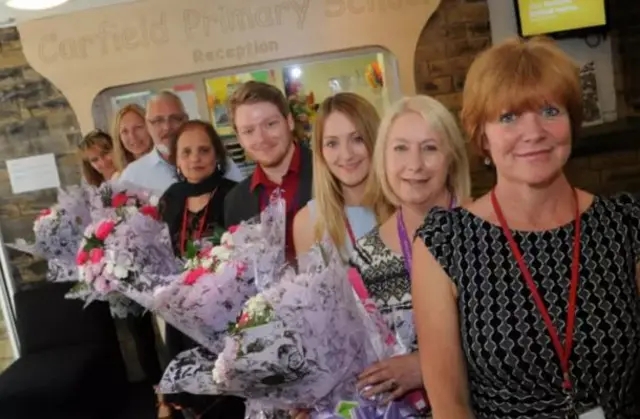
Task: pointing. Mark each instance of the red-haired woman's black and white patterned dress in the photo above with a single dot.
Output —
(513, 369)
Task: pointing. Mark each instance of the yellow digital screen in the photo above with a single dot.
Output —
(538, 17)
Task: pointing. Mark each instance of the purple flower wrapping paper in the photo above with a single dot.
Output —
(202, 310)
(312, 352)
(58, 232)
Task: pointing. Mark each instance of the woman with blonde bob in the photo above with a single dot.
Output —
(526, 300)
(130, 135)
(420, 162)
(343, 142)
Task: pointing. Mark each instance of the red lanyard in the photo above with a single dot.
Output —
(197, 235)
(563, 353)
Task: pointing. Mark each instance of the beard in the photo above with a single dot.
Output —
(163, 149)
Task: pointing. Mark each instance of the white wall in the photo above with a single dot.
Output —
(503, 25)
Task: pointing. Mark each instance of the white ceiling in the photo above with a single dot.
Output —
(10, 17)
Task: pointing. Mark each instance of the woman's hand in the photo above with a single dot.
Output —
(299, 414)
(397, 375)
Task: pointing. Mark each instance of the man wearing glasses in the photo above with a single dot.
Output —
(165, 116)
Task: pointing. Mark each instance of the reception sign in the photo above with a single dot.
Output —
(87, 52)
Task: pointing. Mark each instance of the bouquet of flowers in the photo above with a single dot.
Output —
(122, 250)
(302, 342)
(58, 231)
(209, 296)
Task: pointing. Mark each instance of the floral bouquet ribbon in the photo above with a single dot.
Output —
(300, 343)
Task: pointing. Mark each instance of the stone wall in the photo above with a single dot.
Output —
(34, 119)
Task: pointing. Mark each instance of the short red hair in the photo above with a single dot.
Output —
(515, 76)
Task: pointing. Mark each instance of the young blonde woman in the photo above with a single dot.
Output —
(130, 135)
(420, 162)
(96, 154)
(343, 143)
(526, 300)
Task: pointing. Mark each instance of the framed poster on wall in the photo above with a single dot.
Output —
(219, 90)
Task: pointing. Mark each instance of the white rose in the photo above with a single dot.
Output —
(154, 200)
(221, 266)
(131, 210)
(82, 273)
(221, 252)
(207, 263)
(109, 268)
(227, 239)
(121, 272)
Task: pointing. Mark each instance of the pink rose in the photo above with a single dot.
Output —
(96, 254)
(193, 275)
(82, 257)
(104, 229)
(119, 200)
(233, 229)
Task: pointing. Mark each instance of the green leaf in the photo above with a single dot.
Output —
(191, 251)
(345, 408)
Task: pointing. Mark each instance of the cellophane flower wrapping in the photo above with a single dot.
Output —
(210, 295)
(58, 231)
(118, 199)
(119, 253)
(302, 342)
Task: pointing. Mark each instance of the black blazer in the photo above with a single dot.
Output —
(241, 204)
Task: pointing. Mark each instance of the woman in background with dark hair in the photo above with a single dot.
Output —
(193, 208)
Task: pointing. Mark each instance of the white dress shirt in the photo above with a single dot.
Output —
(155, 174)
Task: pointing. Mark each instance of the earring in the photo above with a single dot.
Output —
(487, 161)
(218, 167)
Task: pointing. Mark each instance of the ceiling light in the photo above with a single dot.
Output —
(34, 4)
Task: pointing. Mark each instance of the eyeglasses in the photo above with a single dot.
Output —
(174, 119)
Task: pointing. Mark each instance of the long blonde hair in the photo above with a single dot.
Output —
(121, 156)
(327, 192)
(440, 120)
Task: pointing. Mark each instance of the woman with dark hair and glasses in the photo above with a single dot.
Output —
(193, 208)
(96, 154)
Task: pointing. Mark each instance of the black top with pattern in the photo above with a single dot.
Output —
(388, 283)
(513, 368)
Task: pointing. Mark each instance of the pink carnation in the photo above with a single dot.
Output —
(44, 213)
(82, 257)
(96, 255)
(104, 229)
(193, 275)
(119, 200)
(150, 211)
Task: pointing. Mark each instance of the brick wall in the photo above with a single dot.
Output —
(34, 119)
(455, 34)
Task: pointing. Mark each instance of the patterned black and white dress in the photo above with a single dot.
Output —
(513, 369)
(389, 285)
